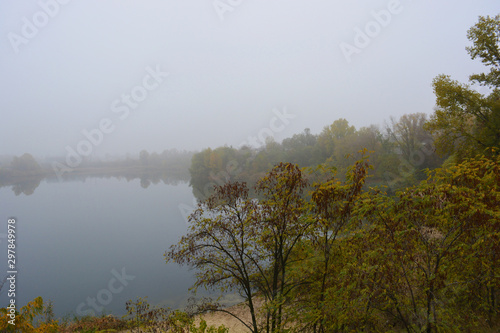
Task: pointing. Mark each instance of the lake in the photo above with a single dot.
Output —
(91, 245)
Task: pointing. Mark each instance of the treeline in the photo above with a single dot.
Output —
(399, 154)
(24, 173)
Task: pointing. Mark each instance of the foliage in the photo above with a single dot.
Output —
(398, 156)
(333, 203)
(429, 258)
(243, 244)
(145, 318)
(220, 242)
(90, 324)
(467, 122)
(28, 319)
(284, 225)
(348, 258)
(157, 319)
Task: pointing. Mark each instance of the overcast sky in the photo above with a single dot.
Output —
(193, 74)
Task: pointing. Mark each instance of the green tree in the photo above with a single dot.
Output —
(465, 121)
(332, 134)
(354, 145)
(333, 203)
(25, 163)
(301, 149)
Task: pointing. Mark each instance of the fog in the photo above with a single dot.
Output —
(133, 75)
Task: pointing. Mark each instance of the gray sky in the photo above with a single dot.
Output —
(233, 66)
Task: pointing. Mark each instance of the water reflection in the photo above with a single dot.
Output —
(27, 184)
(76, 236)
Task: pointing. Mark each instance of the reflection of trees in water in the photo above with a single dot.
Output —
(171, 167)
(145, 183)
(155, 177)
(27, 184)
(23, 173)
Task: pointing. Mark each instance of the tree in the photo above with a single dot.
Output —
(355, 144)
(28, 318)
(301, 149)
(144, 157)
(430, 256)
(243, 244)
(285, 223)
(154, 159)
(330, 135)
(409, 136)
(25, 163)
(413, 145)
(333, 203)
(465, 121)
(221, 245)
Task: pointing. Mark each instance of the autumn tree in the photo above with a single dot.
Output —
(285, 223)
(244, 244)
(221, 245)
(29, 318)
(331, 135)
(333, 202)
(407, 150)
(466, 122)
(429, 259)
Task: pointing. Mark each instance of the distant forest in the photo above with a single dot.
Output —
(24, 173)
(399, 153)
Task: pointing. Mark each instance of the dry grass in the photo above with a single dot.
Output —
(220, 318)
(94, 324)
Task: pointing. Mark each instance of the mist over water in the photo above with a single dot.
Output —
(74, 237)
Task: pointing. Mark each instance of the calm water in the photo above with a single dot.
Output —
(95, 244)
